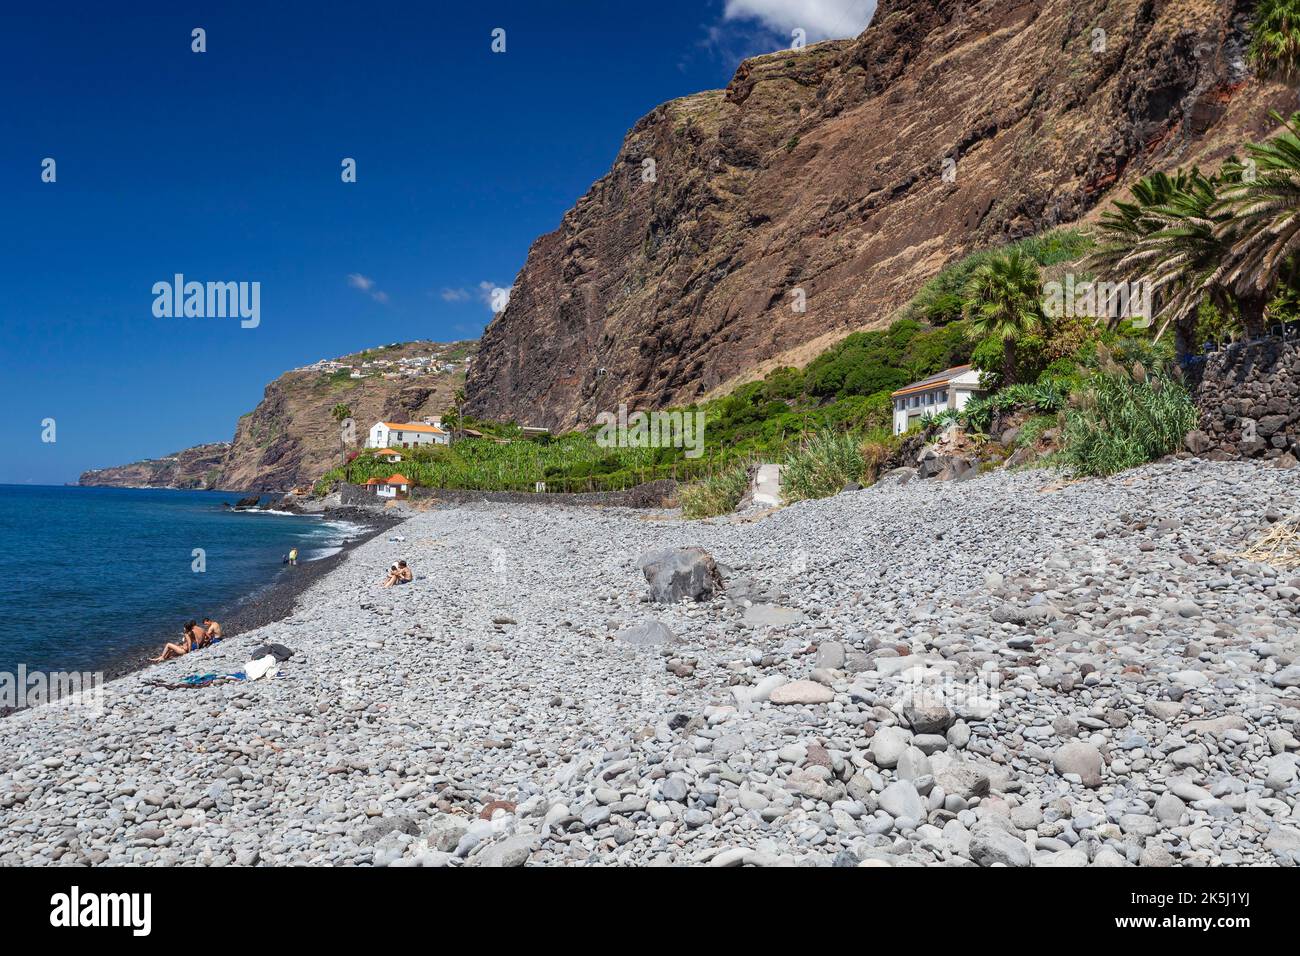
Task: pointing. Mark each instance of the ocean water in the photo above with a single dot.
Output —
(90, 575)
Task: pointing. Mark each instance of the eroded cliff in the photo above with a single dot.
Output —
(817, 192)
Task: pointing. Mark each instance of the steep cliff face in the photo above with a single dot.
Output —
(291, 438)
(194, 468)
(819, 190)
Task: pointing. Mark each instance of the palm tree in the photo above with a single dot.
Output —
(458, 402)
(1127, 223)
(1171, 238)
(341, 413)
(1275, 41)
(1261, 220)
(1004, 300)
(1182, 256)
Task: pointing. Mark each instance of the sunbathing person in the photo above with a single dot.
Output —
(199, 636)
(181, 649)
(399, 573)
(213, 628)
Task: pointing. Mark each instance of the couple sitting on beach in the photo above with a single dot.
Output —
(195, 637)
(399, 573)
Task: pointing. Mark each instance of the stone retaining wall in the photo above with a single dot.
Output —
(652, 494)
(1249, 400)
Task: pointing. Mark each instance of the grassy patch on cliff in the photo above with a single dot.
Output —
(942, 299)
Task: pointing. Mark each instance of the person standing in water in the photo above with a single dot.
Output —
(293, 555)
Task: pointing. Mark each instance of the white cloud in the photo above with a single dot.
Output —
(819, 19)
(367, 285)
(490, 294)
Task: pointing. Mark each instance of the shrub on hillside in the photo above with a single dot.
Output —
(1275, 41)
(942, 299)
(821, 466)
(877, 451)
(783, 384)
(716, 494)
(860, 412)
(1048, 395)
(1124, 418)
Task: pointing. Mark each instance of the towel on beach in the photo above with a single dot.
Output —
(203, 680)
(262, 667)
(198, 680)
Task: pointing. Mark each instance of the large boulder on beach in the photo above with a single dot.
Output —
(646, 634)
(1081, 758)
(677, 574)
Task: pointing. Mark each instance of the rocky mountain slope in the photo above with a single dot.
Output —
(291, 438)
(194, 468)
(841, 176)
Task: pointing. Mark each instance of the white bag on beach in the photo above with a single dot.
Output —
(262, 667)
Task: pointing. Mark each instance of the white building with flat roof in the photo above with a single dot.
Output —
(950, 389)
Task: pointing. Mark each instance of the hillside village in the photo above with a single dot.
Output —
(406, 366)
(293, 435)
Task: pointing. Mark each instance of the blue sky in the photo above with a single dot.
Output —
(225, 166)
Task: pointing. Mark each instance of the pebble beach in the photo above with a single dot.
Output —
(1010, 670)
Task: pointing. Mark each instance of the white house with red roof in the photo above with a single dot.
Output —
(396, 486)
(948, 390)
(394, 435)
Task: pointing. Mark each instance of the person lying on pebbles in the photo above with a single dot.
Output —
(399, 573)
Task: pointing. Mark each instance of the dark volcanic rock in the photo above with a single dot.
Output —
(677, 574)
(1249, 399)
(819, 174)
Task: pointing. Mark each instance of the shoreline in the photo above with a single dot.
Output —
(506, 707)
(271, 602)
